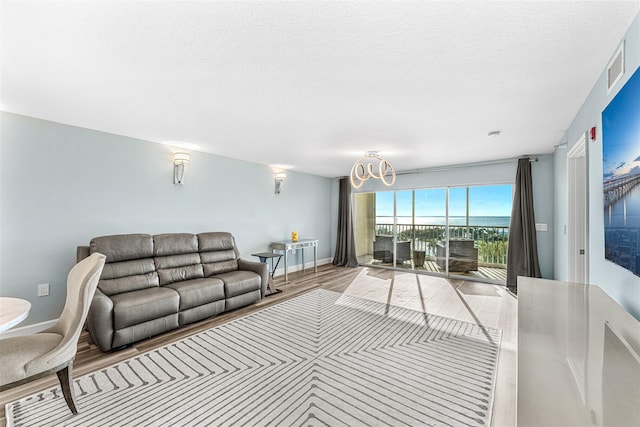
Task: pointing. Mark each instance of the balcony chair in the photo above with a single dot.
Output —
(26, 358)
(383, 250)
(463, 256)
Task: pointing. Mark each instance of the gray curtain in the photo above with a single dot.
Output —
(345, 246)
(522, 254)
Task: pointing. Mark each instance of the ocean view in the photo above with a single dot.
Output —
(478, 221)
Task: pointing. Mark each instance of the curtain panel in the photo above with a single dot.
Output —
(345, 246)
(522, 253)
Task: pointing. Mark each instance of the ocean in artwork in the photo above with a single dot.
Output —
(621, 176)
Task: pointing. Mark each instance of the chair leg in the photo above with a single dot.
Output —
(65, 376)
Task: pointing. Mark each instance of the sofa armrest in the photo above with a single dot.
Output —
(100, 320)
(261, 269)
(82, 252)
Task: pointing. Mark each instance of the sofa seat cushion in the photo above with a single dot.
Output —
(198, 291)
(239, 282)
(135, 307)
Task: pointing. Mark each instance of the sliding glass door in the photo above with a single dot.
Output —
(454, 231)
(405, 218)
(462, 249)
(429, 227)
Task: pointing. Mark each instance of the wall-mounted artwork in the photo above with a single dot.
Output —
(621, 180)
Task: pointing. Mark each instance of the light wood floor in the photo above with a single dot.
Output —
(483, 304)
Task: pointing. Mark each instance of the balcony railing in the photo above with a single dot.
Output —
(491, 241)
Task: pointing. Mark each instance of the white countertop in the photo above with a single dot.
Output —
(578, 362)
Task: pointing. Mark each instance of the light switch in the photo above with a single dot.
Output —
(541, 227)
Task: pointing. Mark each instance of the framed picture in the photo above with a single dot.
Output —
(621, 176)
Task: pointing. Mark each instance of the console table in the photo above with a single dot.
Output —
(287, 246)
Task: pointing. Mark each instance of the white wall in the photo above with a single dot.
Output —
(62, 185)
(622, 285)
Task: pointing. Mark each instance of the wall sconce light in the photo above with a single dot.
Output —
(179, 160)
(280, 176)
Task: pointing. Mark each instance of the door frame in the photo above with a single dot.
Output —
(578, 212)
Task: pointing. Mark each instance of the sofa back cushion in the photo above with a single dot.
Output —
(176, 257)
(129, 265)
(218, 253)
(123, 247)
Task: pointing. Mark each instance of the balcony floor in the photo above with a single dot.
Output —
(497, 275)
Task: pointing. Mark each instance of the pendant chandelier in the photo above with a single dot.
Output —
(372, 166)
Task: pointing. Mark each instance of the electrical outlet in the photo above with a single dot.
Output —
(43, 289)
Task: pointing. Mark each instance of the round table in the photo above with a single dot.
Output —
(12, 312)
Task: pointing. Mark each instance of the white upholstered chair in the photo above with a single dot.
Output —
(26, 358)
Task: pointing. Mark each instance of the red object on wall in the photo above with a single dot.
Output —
(592, 133)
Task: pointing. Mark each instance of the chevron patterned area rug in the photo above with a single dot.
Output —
(322, 358)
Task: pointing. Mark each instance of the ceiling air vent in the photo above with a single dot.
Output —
(616, 68)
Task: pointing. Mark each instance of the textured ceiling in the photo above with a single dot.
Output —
(314, 84)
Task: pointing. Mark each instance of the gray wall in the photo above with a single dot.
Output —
(499, 172)
(543, 181)
(620, 284)
(62, 185)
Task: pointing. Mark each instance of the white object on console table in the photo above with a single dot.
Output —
(287, 245)
(578, 357)
(12, 312)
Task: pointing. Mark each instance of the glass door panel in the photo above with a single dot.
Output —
(429, 235)
(405, 223)
(489, 218)
(462, 253)
(384, 228)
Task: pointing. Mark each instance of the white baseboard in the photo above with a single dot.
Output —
(28, 330)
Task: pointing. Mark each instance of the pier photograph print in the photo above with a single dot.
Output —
(621, 176)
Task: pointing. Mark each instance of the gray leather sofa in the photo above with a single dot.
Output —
(153, 284)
